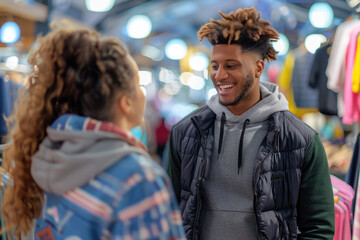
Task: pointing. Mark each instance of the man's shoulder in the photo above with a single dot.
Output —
(292, 124)
(299, 124)
(201, 113)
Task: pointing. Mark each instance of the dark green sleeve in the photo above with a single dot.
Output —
(316, 214)
(174, 165)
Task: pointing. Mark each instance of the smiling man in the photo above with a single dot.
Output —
(243, 166)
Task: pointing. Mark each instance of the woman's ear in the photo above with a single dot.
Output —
(124, 103)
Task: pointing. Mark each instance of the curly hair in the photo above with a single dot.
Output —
(244, 28)
(74, 71)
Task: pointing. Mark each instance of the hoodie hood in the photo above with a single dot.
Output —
(271, 101)
(76, 149)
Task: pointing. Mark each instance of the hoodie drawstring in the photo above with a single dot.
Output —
(223, 118)
(241, 144)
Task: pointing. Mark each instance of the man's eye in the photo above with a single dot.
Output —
(214, 67)
(230, 66)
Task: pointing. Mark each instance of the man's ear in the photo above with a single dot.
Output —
(259, 68)
(124, 103)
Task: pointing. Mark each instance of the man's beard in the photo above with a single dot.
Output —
(249, 81)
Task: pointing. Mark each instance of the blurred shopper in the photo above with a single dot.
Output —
(243, 166)
(75, 165)
(162, 135)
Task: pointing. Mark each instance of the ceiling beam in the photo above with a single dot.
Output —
(34, 12)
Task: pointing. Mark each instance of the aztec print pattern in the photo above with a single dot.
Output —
(132, 199)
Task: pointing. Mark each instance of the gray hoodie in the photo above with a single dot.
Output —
(70, 159)
(228, 209)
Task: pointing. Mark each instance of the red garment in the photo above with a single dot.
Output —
(162, 133)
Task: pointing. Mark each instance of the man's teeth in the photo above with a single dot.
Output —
(222, 87)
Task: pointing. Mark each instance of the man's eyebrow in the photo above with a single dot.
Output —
(227, 60)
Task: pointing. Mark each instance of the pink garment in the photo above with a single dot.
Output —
(356, 224)
(351, 99)
(344, 195)
(346, 233)
(339, 222)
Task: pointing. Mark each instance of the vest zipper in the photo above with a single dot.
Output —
(198, 184)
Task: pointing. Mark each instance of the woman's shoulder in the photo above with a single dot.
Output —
(135, 164)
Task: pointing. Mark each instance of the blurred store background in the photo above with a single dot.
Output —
(174, 65)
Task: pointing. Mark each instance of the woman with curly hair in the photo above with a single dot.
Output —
(77, 171)
(242, 165)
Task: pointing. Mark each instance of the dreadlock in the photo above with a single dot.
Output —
(244, 28)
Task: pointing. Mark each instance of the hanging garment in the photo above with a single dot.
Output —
(343, 198)
(356, 225)
(356, 70)
(352, 176)
(304, 96)
(351, 99)
(284, 82)
(339, 221)
(335, 70)
(327, 100)
(5, 105)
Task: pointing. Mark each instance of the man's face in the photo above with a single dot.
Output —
(235, 75)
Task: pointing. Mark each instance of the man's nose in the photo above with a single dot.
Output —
(221, 74)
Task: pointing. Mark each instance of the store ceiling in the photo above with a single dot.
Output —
(182, 18)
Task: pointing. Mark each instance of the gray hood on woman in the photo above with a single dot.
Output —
(69, 159)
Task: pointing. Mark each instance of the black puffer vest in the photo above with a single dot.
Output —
(277, 175)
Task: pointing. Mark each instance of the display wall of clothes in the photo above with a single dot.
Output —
(343, 70)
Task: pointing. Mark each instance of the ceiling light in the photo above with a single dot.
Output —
(281, 45)
(196, 82)
(199, 61)
(184, 78)
(99, 5)
(138, 26)
(10, 32)
(314, 41)
(211, 93)
(321, 15)
(145, 77)
(152, 52)
(175, 49)
(12, 62)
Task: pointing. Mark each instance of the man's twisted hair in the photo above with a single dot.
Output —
(244, 28)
